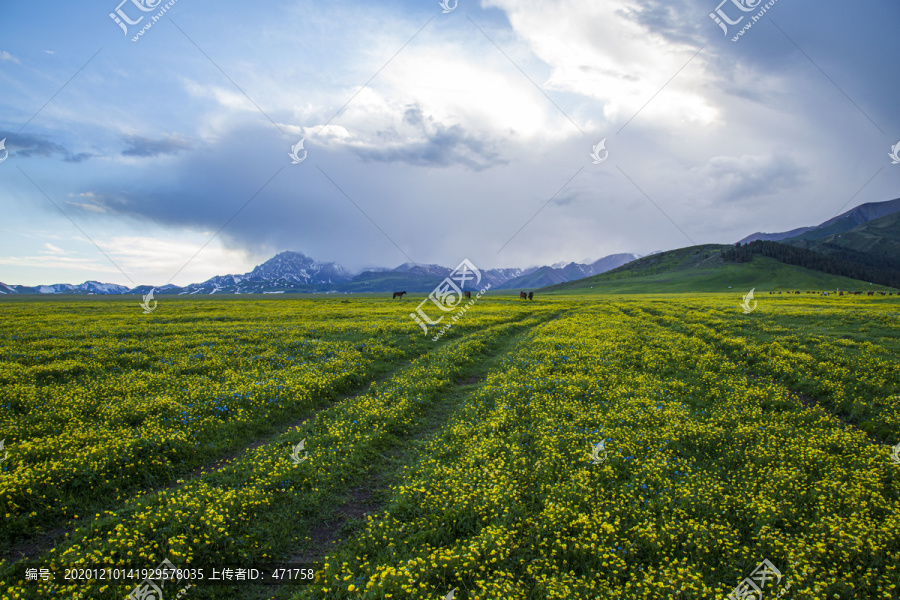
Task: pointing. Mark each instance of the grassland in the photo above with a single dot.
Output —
(459, 464)
(699, 269)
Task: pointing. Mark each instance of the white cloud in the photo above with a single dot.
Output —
(51, 249)
(7, 57)
(608, 55)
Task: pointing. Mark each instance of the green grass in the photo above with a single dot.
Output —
(700, 270)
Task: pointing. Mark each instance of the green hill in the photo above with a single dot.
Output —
(702, 269)
(880, 237)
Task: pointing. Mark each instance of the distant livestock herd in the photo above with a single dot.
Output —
(522, 295)
(839, 293)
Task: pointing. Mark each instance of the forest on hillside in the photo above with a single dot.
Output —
(840, 261)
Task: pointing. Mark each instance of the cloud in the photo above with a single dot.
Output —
(147, 147)
(618, 54)
(51, 249)
(26, 146)
(568, 196)
(421, 141)
(735, 179)
(102, 202)
(7, 57)
(60, 262)
(413, 139)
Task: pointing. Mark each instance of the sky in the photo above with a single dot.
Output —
(508, 132)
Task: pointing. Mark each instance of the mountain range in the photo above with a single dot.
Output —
(294, 272)
(860, 243)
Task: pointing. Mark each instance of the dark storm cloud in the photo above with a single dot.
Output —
(678, 22)
(434, 145)
(27, 146)
(147, 147)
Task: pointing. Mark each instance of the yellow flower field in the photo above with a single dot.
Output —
(727, 440)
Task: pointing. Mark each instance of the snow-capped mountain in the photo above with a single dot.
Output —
(543, 276)
(298, 268)
(432, 270)
(296, 272)
(88, 287)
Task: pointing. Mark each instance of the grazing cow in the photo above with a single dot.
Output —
(840, 293)
(468, 294)
(523, 295)
(400, 294)
(531, 295)
(871, 294)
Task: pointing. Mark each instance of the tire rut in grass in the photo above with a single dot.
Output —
(362, 500)
(35, 546)
(805, 400)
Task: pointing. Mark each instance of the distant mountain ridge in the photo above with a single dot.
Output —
(295, 272)
(538, 277)
(88, 287)
(879, 237)
(858, 248)
(836, 225)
